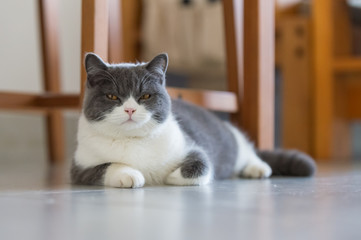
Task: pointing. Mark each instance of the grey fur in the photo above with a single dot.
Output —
(124, 82)
(289, 163)
(195, 165)
(214, 145)
(211, 134)
(159, 65)
(88, 176)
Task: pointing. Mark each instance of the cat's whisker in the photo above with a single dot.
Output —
(101, 116)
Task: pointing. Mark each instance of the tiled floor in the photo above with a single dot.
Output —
(44, 206)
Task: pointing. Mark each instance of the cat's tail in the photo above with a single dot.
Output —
(289, 162)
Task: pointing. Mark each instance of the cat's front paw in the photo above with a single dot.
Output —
(257, 170)
(176, 178)
(123, 177)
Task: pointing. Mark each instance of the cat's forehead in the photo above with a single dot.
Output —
(128, 70)
(132, 78)
(127, 77)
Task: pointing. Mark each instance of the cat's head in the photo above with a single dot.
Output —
(126, 99)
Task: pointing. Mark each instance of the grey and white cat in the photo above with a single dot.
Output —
(131, 134)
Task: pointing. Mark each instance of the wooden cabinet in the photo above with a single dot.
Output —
(321, 87)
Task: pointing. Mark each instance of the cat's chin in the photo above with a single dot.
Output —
(137, 129)
(128, 128)
(131, 125)
(134, 123)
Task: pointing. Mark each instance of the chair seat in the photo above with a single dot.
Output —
(250, 98)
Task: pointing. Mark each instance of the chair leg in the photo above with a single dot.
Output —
(259, 71)
(94, 32)
(250, 65)
(115, 39)
(233, 19)
(48, 10)
(323, 79)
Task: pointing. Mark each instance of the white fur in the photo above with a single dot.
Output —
(144, 152)
(122, 176)
(144, 145)
(126, 65)
(176, 178)
(118, 124)
(155, 155)
(248, 164)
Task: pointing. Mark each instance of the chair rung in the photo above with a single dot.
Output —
(42, 102)
(213, 100)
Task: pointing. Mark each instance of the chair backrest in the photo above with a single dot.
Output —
(250, 69)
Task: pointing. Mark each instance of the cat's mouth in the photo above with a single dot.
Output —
(130, 121)
(133, 122)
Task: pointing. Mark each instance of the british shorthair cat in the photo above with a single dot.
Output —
(131, 133)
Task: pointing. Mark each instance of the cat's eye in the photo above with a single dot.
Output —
(112, 97)
(145, 96)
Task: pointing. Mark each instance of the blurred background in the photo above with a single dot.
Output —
(317, 70)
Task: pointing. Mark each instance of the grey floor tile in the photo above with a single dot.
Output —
(325, 207)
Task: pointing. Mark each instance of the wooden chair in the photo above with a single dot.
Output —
(250, 66)
(52, 101)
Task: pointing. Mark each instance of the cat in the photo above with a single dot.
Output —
(131, 133)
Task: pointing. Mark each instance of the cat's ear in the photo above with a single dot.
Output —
(93, 63)
(159, 64)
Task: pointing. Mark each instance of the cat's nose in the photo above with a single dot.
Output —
(130, 111)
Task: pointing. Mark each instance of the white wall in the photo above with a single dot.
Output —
(21, 70)
(20, 58)
(70, 43)
(19, 48)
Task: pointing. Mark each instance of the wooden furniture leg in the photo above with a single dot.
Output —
(258, 94)
(252, 76)
(94, 36)
(323, 77)
(51, 67)
(233, 19)
(115, 48)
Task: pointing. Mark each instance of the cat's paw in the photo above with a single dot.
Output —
(123, 177)
(176, 178)
(257, 170)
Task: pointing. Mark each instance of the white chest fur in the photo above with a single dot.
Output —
(155, 155)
